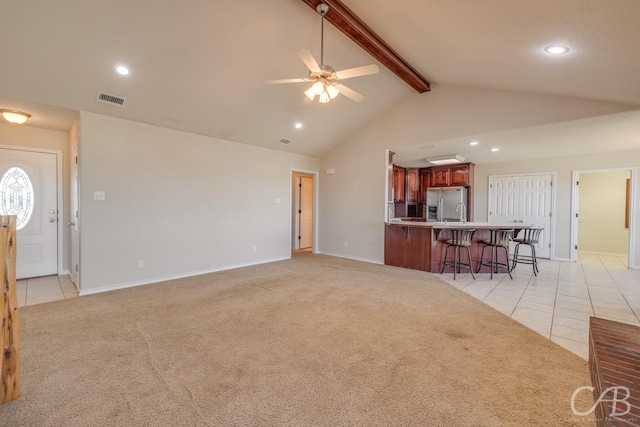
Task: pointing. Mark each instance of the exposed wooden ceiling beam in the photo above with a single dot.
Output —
(347, 22)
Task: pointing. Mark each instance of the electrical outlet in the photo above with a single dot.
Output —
(140, 263)
(99, 195)
(346, 244)
(255, 249)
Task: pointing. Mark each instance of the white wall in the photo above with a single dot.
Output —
(564, 167)
(32, 137)
(352, 201)
(183, 203)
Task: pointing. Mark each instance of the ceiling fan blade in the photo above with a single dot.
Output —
(357, 71)
(309, 61)
(275, 82)
(349, 93)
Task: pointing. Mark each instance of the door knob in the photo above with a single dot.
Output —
(71, 223)
(52, 220)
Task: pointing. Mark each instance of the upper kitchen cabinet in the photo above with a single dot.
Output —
(425, 183)
(413, 185)
(462, 175)
(452, 176)
(398, 184)
(440, 176)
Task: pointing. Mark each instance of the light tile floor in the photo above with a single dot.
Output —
(44, 289)
(558, 302)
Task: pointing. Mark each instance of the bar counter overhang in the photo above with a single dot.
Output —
(420, 245)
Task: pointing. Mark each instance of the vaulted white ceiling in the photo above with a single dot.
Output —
(198, 66)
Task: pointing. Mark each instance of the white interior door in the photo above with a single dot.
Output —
(28, 189)
(523, 199)
(306, 212)
(536, 208)
(74, 272)
(504, 199)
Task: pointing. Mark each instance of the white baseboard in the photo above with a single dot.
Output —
(84, 292)
(372, 261)
(602, 253)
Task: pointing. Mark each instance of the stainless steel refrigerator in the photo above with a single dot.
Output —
(447, 204)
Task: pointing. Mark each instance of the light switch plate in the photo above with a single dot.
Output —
(99, 195)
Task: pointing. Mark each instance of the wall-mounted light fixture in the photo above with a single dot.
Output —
(14, 116)
(448, 159)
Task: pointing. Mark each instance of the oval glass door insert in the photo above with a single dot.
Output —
(16, 196)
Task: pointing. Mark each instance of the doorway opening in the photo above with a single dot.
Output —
(602, 213)
(303, 188)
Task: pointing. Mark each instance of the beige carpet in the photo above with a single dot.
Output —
(310, 341)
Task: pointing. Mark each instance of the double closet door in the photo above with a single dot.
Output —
(523, 199)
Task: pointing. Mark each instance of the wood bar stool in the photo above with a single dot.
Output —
(499, 240)
(530, 237)
(461, 238)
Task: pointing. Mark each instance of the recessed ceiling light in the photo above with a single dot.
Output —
(556, 49)
(474, 143)
(495, 149)
(122, 70)
(298, 125)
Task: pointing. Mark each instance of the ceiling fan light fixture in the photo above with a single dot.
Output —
(14, 116)
(318, 88)
(323, 77)
(333, 91)
(324, 97)
(310, 93)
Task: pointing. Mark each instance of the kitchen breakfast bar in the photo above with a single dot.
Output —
(421, 245)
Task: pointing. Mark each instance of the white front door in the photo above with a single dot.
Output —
(523, 199)
(28, 189)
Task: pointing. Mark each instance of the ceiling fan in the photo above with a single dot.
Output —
(326, 81)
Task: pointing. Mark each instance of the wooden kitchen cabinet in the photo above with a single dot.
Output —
(425, 183)
(413, 185)
(440, 176)
(407, 246)
(452, 176)
(398, 184)
(460, 175)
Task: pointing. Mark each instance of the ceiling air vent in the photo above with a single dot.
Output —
(116, 101)
(285, 141)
